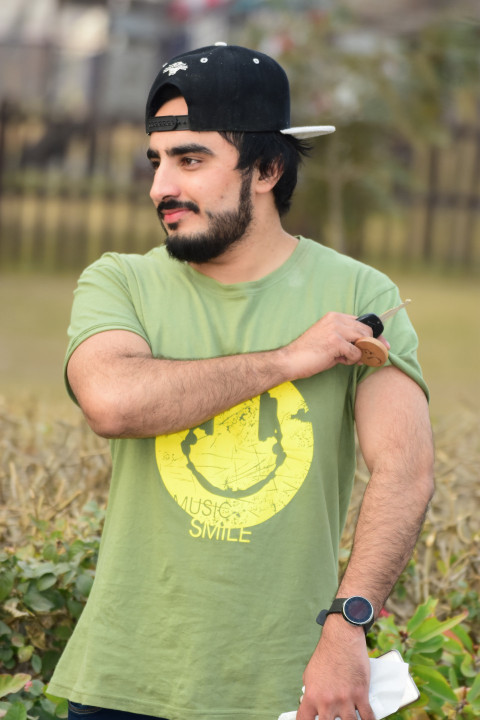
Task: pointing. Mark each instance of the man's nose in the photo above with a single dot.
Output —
(164, 185)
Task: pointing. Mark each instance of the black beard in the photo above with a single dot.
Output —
(224, 230)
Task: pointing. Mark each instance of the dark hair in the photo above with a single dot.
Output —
(268, 151)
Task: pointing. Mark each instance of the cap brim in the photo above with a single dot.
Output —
(310, 131)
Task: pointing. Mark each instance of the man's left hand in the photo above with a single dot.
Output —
(337, 676)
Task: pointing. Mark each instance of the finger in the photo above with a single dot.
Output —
(364, 712)
(349, 353)
(363, 329)
(384, 341)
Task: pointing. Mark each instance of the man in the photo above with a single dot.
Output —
(223, 367)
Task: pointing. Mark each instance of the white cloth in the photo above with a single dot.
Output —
(388, 685)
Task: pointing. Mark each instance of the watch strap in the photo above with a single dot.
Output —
(321, 617)
(337, 607)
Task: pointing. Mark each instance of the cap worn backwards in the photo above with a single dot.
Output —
(226, 88)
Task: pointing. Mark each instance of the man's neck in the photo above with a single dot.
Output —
(251, 258)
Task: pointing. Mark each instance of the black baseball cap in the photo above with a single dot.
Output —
(226, 88)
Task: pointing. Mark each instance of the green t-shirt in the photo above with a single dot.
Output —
(221, 541)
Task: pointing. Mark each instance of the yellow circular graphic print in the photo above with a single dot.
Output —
(243, 466)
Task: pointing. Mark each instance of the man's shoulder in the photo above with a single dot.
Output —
(332, 259)
(126, 264)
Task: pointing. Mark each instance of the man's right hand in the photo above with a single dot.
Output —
(328, 342)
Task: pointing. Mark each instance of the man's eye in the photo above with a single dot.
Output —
(189, 161)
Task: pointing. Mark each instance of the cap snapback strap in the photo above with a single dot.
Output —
(165, 123)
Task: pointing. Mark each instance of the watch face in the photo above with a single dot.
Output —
(358, 610)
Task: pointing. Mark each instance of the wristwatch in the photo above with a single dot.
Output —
(356, 610)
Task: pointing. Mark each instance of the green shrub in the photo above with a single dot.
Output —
(44, 586)
(442, 658)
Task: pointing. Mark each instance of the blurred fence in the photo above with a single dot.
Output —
(70, 190)
(445, 222)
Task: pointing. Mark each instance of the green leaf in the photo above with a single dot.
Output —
(36, 568)
(50, 552)
(46, 581)
(49, 660)
(467, 666)
(424, 660)
(62, 632)
(36, 663)
(55, 597)
(62, 709)
(7, 579)
(48, 706)
(16, 711)
(474, 692)
(62, 568)
(6, 654)
(430, 646)
(12, 683)
(436, 682)
(461, 633)
(4, 629)
(69, 576)
(55, 699)
(25, 653)
(37, 688)
(75, 607)
(454, 646)
(452, 678)
(17, 640)
(421, 614)
(36, 601)
(431, 627)
(84, 584)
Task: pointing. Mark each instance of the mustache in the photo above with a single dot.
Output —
(176, 205)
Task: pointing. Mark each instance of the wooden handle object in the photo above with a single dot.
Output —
(374, 352)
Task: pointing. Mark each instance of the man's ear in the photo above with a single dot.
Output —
(266, 181)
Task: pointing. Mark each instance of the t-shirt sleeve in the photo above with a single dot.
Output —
(102, 301)
(399, 332)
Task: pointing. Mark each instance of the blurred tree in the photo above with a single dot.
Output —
(386, 94)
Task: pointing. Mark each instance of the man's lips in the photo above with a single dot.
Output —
(172, 212)
(173, 216)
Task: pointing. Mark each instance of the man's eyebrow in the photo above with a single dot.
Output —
(181, 150)
(189, 148)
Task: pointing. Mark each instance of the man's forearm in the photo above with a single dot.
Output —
(176, 394)
(390, 520)
(125, 392)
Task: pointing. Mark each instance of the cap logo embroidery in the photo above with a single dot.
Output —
(172, 69)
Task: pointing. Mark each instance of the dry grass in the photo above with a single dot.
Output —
(46, 470)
